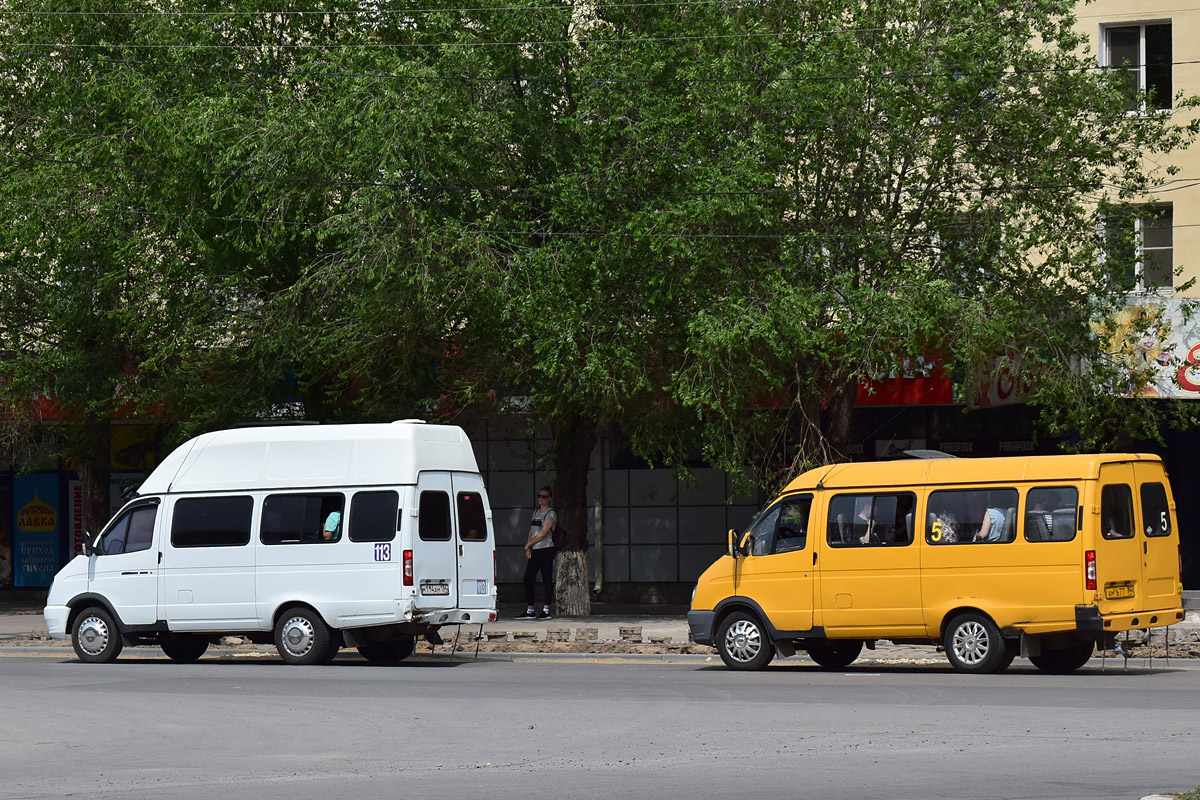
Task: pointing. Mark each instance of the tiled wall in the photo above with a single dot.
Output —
(656, 528)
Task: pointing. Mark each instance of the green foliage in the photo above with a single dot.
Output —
(703, 222)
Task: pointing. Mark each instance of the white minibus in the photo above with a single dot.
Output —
(314, 537)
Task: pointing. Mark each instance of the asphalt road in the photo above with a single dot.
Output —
(558, 727)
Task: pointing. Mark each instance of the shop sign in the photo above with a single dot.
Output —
(35, 528)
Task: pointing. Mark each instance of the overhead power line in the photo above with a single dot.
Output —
(764, 79)
(766, 191)
(793, 234)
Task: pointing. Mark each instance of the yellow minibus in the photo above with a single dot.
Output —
(988, 558)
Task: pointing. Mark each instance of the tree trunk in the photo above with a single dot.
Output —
(839, 414)
(95, 473)
(574, 440)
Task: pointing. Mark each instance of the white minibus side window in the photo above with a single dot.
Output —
(374, 516)
(961, 516)
(134, 531)
(212, 521)
(1050, 514)
(302, 518)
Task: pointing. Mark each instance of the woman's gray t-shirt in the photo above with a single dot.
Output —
(535, 527)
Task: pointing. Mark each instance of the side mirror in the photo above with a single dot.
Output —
(733, 549)
(88, 548)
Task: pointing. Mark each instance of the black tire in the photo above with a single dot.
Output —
(1011, 651)
(184, 648)
(973, 644)
(743, 642)
(835, 654)
(388, 652)
(302, 637)
(95, 637)
(1064, 659)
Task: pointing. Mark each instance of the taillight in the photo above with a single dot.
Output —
(1089, 560)
(1179, 549)
(495, 575)
(408, 568)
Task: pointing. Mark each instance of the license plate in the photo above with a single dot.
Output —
(1118, 591)
(435, 588)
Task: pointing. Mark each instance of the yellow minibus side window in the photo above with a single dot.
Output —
(782, 528)
(871, 520)
(961, 516)
(1156, 514)
(1050, 514)
(1116, 511)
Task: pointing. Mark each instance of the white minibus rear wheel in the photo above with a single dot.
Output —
(388, 652)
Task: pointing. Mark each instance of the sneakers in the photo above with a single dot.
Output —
(527, 615)
(544, 614)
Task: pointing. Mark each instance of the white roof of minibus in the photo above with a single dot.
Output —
(299, 456)
(917, 471)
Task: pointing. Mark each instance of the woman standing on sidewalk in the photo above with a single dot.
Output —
(539, 550)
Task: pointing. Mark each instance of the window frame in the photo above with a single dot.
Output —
(318, 538)
(833, 533)
(463, 517)
(238, 498)
(1164, 514)
(1137, 105)
(770, 539)
(1133, 221)
(352, 529)
(422, 517)
(933, 535)
(1104, 488)
(1075, 514)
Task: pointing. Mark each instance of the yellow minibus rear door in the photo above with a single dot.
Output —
(1157, 538)
(1118, 548)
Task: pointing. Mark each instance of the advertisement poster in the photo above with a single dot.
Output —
(35, 528)
(118, 489)
(6, 535)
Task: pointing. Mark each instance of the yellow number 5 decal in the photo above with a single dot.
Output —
(937, 531)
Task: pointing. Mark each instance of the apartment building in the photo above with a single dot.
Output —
(1158, 43)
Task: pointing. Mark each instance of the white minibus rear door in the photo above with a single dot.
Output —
(434, 559)
(476, 543)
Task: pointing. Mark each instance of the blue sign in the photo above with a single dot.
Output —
(36, 522)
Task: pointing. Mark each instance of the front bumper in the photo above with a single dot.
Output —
(56, 621)
(700, 626)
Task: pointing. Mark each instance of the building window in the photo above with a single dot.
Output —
(1144, 52)
(1141, 245)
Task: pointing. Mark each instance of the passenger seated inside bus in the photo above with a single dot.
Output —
(963, 516)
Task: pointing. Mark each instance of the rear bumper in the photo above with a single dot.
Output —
(1128, 622)
(454, 616)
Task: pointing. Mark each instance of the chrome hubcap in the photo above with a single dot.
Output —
(971, 643)
(93, 636)
(298, 636)
(743, 641)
